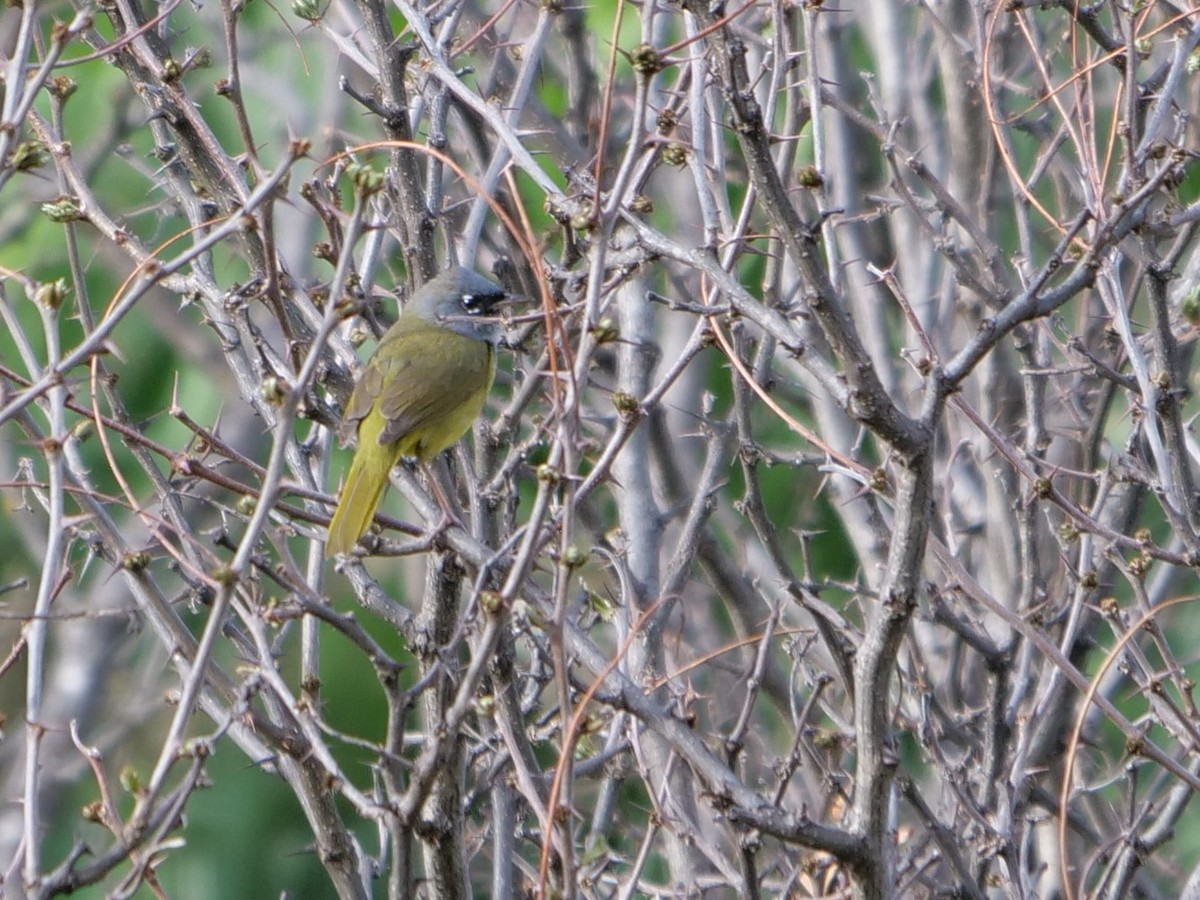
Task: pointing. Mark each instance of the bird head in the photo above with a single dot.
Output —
(462, 301)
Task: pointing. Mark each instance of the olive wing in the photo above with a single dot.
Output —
(418, 378)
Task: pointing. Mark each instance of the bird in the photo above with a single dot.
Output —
(420, 391)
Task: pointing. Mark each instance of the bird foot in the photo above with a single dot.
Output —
(436, 532)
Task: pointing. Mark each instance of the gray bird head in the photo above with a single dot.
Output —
(460, 300)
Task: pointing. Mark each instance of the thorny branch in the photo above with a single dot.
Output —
(833, 523)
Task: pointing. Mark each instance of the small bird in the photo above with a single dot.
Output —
(421, 390)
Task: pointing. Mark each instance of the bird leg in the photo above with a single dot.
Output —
(450, 517)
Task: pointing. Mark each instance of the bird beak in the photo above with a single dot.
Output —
(510, 300)
(500, 310)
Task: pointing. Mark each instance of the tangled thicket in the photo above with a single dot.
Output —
(832, 528)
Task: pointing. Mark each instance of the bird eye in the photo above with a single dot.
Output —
(470, 303)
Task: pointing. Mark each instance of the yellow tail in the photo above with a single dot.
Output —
(365, 483)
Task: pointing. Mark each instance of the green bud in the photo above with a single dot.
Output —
(646, 60)
(642, 205)
(491, 602)
(573, 557)
(224, 575)
(627, 405)
(136, 561)
(29, 155)
(62, 87)
(366, 180)
(606, 331)
(309, 10)
(675, 155)
(131, 781)
(809, 178)
(274, 390)
(50, 294)
(64, 209)
(583, 221)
